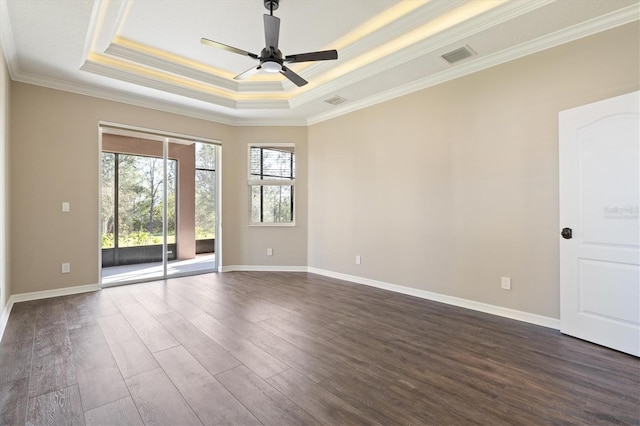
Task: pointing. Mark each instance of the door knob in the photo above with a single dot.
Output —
(567, 233)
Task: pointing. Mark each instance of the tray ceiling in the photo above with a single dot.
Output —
(148, 52)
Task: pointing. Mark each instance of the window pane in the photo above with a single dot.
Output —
(172, 173)
(271, 204)
(272, 163)
(108, 198)
(205, 156)
(140, 205)
(205, 204)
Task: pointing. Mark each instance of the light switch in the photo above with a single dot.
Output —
(66, 207)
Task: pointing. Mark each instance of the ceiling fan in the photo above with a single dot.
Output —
(271, 59)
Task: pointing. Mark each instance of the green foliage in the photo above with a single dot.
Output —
(140, 197)
(202, 234)
(139, 238)
(135, 239)
(107, 240)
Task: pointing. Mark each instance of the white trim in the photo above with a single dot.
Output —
(142, 101)
(443, 298)
(275, 224)
(4, 318)
(37, 295)
(7, 41)
(99, 218)
(46, 294)
(578, 31)
(254, 181)
(262, 268)
(155, 132)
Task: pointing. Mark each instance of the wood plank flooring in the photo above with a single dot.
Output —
(274, 348)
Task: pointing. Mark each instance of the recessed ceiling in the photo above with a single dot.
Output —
(148, 52)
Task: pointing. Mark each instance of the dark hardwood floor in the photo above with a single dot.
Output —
(251, 348)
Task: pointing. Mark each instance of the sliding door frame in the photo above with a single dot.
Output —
(165, 137)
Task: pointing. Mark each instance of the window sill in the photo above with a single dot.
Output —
(260, 224)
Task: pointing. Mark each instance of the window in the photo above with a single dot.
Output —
(272, 182)
(205, 190)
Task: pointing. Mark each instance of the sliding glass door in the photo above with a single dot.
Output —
(196, 208)
(158, 207)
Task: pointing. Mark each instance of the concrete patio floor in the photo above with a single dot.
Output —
(145, 271)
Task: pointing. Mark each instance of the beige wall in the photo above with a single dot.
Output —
(450, 188)
(289, 244)
(5, 282)
(54, 158)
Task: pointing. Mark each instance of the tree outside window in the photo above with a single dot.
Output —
(132, 202)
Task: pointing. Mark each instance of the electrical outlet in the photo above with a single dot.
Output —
(506, 283)
(66, 268)
(66, 207)
(358, 260)
(269, 252)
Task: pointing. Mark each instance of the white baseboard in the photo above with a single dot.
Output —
(263, 268)
(45, 294)
(4, 318)
(443, 298)
(36, 295)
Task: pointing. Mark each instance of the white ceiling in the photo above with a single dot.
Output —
(148, 52)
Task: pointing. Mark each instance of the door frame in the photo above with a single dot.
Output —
(165, 137)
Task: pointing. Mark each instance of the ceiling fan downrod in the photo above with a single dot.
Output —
(271, 5)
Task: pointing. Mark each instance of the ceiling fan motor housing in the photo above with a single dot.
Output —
(271, 4)
(271, 60)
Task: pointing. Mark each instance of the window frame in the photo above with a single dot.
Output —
(253, 181)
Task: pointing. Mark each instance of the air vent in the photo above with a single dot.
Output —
(458, 54)
(336, 100)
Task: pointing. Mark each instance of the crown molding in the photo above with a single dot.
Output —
(130, 77)
(126, 98)
(584, 29)
(152, 61)
(423, 47)
(155, 103)
(7, 42)
(142, 80)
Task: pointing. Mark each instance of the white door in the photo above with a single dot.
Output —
(599, 199)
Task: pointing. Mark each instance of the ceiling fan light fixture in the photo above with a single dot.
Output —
(271, 58)
(271, 66)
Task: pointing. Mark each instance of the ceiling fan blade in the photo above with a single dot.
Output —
(324, 55)
(295, 78)
(248, 73)
(271, 31)
(227, 48)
